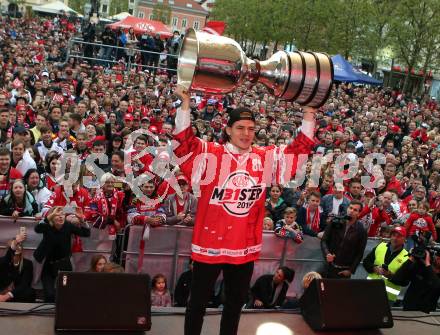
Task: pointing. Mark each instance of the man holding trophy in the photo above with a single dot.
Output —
(232, 178)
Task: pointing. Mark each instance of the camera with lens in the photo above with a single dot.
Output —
(339, 221)
(421, 245)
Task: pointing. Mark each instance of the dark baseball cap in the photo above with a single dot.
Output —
(240, 114)
(19, 130)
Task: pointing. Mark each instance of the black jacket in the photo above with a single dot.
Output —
(56, 244)
(22, 291)
(158, 45)
(424, 288)
(302, 221)
(276, 213)
(349, 249)
(108, 37)
(264, 290)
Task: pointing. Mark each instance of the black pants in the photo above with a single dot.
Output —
(48, 279)
(236, 279)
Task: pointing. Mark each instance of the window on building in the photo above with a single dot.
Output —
(130, 11)
(196, 25)
(151, 17)
(175, 21)
(171, 2)
(131, 1)
(104, 8)
(141, 15)
(184, 22)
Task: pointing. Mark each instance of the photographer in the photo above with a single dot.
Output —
(16, 273)
(343, 243)
(55, 247)
(422, 272)
(385, 260)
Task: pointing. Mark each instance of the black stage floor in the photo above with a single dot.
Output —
(258, 323)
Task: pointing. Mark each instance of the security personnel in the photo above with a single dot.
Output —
(385, 259)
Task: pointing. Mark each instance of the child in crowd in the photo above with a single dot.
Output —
(288, 228)
(421, 221)
(160, 296)
(268, 224)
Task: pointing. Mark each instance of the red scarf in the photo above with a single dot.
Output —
(315, 224)
(114, 205)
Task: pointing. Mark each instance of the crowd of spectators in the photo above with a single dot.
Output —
(50, 109)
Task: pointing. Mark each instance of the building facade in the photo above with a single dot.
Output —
(23, 4)
(184, 13)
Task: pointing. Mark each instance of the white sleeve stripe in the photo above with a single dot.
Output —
(182, 121)
(308, 128)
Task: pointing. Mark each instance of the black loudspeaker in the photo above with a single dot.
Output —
(346, 304)
(106, 302)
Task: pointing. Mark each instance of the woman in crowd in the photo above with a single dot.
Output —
(18, 202)
(55, 247)
(52, 163)
(275, 204)
(35, 186)
(97, 264)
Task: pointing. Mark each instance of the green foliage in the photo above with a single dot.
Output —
(162, 13)
(414, 31)
(118, 6)
(353, 28)
(78, 5)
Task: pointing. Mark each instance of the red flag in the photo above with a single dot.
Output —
(17, 83)
(58, 98)
(215, 27)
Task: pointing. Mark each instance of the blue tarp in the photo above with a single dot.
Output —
(344, 71)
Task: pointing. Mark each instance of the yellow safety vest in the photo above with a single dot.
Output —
(393, 290)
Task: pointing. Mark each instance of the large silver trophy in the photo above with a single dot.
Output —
(217, 64)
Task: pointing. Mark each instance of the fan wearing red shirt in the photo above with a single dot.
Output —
(8, 174)
(107, 207)
(156, 120)
(421, 134)
(335, 126)
(421, 221)
(79, 199)
(390, 178)
(138, 107)
(140, 162)
(170, 106)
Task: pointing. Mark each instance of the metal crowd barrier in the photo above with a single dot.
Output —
(76, 42)
(97, 243)
(167, 251)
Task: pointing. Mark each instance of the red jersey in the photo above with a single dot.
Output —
(51, 183)
(417, 222)
(59, 198)
(229, 222)
(395, 185)
(103, 208)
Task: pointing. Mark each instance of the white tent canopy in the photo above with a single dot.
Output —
(120, 16)
(55, 7)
